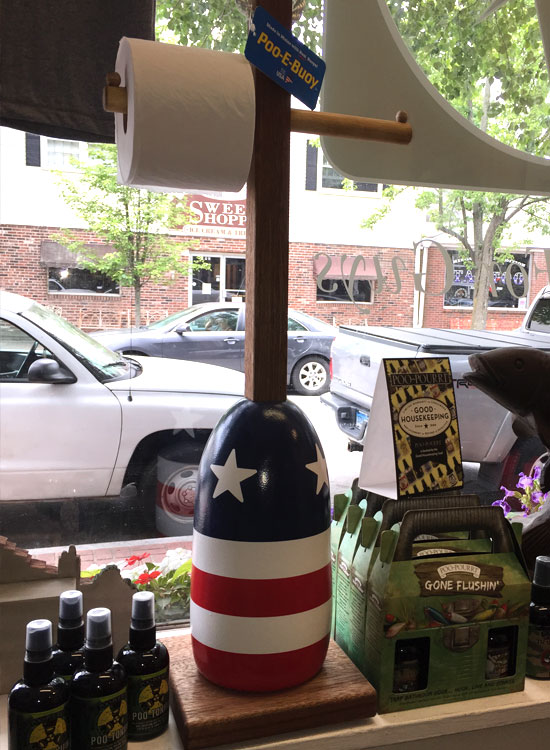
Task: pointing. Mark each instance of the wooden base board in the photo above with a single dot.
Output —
(208, 715)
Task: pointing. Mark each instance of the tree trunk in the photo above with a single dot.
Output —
(483, 280)
(137, 303)
(484, 277)
(483, 245)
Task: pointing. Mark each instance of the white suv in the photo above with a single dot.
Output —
(78, 420)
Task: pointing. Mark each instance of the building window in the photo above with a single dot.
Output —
(52, 153)
(507, 291)
(320, 175)
(223, 282)
(343, 278)
(339, 291)
(61, 154)
(80, 281)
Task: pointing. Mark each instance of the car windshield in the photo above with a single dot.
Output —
(102, 362)
(540, 318)
(171, 319)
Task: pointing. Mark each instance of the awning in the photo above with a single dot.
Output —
(56, 255)
(341, 267)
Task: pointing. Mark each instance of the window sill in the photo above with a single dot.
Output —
(346, 193)
(452, 308)
(83, 294)
(342, 302)
(502, 721)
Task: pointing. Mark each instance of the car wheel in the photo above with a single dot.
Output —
(167, 487)
(129, 352)
(310, 376)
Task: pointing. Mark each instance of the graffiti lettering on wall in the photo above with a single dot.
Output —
(510, 279)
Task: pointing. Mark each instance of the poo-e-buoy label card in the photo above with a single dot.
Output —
(412, 446)
(284, 58)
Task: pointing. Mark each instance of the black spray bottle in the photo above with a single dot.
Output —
(538, 642)
(68, 654)
(99, 708)
(146, 662)
(38, 704)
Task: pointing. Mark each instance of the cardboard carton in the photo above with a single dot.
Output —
(346, 553)
(337, 528)
(446, 627)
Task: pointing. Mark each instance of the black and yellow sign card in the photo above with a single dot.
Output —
(425, 428)
(412, 445)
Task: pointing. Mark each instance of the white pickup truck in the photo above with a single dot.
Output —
(78, 420)
(486, 430)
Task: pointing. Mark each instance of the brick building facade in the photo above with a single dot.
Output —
(326, 223)
(23, 271)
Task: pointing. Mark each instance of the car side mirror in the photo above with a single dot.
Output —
(49, 371)
(183, 328)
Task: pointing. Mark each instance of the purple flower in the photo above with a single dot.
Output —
(536, 472)
(524, 481)
(504, 505)
(537, 497)
(507, 493)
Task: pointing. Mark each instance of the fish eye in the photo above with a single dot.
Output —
(518, 364)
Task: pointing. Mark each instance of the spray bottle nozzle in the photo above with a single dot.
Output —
(98, 628)
(143, 610)
(38, 641)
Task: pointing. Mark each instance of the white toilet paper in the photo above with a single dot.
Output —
(190, 121)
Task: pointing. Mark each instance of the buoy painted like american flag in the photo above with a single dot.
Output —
(261, 582)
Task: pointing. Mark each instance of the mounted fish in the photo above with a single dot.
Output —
(517, 378)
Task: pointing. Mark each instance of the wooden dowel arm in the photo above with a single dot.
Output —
(351, 126)
(301, 121)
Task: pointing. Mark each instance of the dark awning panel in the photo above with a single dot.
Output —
(56, 255)
(54, 55)
(341, 267)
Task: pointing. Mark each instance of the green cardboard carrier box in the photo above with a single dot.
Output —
(351, 608)
(446, 627)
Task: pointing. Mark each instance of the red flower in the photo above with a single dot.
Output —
(136, 558)
(146, 577)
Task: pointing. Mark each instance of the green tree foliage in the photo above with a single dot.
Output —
(222, 24)
(493, 72)
(132, 221)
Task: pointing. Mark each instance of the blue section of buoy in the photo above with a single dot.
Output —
(262, 476)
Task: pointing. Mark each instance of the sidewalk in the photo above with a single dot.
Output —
(102, 553)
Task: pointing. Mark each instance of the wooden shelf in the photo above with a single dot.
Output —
(503, 722)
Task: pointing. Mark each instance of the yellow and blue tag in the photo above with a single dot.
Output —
(284, 58)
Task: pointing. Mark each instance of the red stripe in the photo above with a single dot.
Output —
(261, 672)
(245, 597)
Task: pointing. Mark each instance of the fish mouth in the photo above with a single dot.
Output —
(483, 376)
(488, 380)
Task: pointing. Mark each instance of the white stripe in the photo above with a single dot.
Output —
(260, 635)
(260, 560)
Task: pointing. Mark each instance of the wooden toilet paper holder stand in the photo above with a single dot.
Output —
(115, 99)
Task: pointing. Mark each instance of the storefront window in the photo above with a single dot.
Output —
(338, 290)
(509, 288)
(222, 282)
(80, 281)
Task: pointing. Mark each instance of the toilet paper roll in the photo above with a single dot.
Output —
(190, 121)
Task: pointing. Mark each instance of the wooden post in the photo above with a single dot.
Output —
(267, 209)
